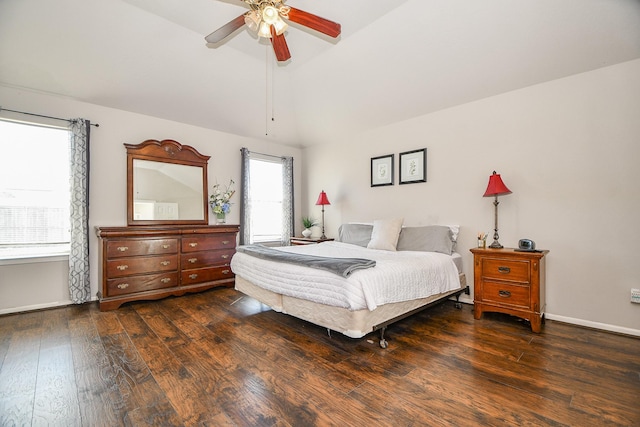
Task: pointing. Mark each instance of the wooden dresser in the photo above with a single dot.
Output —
(153, 262)
(509, 281)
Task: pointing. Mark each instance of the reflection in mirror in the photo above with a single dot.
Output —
(166, 191)
(166, 184)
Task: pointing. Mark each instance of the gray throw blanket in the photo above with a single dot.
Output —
(340, 266)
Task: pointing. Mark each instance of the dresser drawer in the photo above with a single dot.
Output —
(199, 275)
(506, 294)
(207, 242)
(508, 270)
(140, 265)
(148, 282)
(133, 247)
(206, 259)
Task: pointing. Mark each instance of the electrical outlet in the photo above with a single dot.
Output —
(635, 296)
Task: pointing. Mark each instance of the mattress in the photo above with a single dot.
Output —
(397, 276)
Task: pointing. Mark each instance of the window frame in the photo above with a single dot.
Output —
(47, 252)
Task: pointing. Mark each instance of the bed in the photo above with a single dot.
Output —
(396, 271)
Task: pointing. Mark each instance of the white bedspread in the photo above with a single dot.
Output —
(397, 276)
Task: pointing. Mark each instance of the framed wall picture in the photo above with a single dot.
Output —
(413, 166)
(382, 170)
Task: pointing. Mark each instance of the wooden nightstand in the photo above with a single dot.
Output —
(510, 281)
(295, 241)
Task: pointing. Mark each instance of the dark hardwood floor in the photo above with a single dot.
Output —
(219, 358)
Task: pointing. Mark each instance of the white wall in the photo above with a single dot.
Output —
(568, 149)
(37, 285)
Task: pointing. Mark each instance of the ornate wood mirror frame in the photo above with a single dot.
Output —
(166, 184)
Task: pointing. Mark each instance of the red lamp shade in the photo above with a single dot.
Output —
(496, 187)
(322, 199)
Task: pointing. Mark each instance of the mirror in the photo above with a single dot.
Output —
(166, 184)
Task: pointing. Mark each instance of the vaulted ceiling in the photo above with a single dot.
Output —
(395, 60)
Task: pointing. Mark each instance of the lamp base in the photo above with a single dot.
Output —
(496, 245)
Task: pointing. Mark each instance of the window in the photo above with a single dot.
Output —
(265, 193)
(267, 198)
(34, 190)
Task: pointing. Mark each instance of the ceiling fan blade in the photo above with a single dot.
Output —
(330, 28)
(225, 31)
(279, 46)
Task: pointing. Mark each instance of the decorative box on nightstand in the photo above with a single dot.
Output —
(296, 241)
(510, 281)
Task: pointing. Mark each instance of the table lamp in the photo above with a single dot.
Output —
(323, 200)
(496, 188)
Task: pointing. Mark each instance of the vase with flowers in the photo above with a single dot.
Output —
(220, 201)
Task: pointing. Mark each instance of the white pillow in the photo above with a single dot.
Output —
(385, 234)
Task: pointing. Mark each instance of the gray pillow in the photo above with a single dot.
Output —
(356, 234)
(430, 238)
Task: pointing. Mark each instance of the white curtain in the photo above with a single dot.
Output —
(79, 285)
(245, 203)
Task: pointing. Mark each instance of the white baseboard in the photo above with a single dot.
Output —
(38, 306)
(573, 321)
(594, 325)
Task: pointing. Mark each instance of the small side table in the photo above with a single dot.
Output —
(297, 241)
(509, 281)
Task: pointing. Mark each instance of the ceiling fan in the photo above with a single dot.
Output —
(268, 19)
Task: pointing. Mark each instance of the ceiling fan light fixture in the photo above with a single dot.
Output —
(270, 15)
(252, 20)
(280, 26)
(265, 30)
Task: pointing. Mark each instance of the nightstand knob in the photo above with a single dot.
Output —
(504, 294)
(504, 270)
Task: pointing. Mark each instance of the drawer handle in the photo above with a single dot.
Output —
(193, 260)
(165, 246)
(225, 256)
(193, 245)
(193, 276)
(165, 280)
(504, 294)
(226, 271)
(504, 270)
(122, 267)
(123, 286)
(123, 248)
(225, 242)
(165, 263)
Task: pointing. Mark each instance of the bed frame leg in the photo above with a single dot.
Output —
(383, 342)
(458, 304)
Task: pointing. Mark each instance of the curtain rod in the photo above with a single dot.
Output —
(40, 115)
(267, 155)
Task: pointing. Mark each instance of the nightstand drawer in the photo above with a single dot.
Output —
(508, 270)
(505, 294)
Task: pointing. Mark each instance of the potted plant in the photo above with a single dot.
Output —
(307, 223)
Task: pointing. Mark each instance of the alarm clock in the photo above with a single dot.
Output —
(527, 245)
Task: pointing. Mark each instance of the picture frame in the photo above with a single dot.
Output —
(413, 166)
(382, 170)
